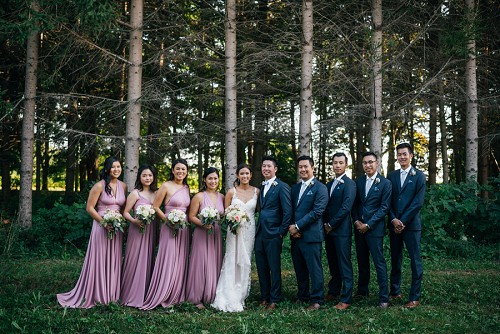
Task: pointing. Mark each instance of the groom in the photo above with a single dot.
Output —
(309, 200)
(274, 219)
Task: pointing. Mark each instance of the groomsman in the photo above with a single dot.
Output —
(370, 208)
(405, 226)
(274, 220)
(338, 228)
(309, 199)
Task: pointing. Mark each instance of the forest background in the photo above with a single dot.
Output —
(225, 82)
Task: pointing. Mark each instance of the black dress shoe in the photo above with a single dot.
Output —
(383, 305)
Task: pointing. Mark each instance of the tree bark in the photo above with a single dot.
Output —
(230, 95)
(133, 127)
(27, 134)
(306, 79)
(432, 142)
(376, 98)
(471, 130)
(444, 137)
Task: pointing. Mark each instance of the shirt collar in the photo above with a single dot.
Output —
(374, 176)
(338, 178)
(407, 170)
(308, 182)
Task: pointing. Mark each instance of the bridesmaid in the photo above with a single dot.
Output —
(168, 283)
(206, 252)
(138, 263)
(99, 281)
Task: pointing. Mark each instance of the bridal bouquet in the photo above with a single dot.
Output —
(146, 214)
(234, 216)
(113, 219)
(177, 218)
(209, 216)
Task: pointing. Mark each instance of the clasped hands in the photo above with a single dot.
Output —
(294, 232)
(361, 227)
(398, 226)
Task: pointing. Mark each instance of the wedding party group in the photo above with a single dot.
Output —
(174, 250)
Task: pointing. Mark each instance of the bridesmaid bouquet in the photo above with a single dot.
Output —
(113, 219)
(209, 216)
(234, 216)
(177, 218)
(146, 214)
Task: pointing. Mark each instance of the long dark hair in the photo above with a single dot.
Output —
(178, 161)
(108, 163)
(206, 173)
(240, 167)
(153, 186)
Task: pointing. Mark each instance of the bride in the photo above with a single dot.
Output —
(234, 281)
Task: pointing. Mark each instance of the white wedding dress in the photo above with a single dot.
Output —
(233, 286)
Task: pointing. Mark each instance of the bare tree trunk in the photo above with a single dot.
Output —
(471, 130)
(392, 147)
(306, 79)
(45, 162)
(376, 113)
(38, 157)
(28, 137)
(432, 142)
(444, 138)
(71, 162)
(293, 131)
(230, 95)
(132, 138)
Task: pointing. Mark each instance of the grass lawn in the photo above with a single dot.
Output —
(459, 296)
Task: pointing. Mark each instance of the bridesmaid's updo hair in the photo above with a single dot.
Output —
(206, 173)
(178, 161)
(240, 167)
(153, 186)
(105, 173)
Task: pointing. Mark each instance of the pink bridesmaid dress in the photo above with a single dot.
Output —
(168, 283)
(138, 263)
(99, 281)
(206, 259)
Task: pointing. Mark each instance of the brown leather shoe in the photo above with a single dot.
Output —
(395, 296)
(383, 305)
(412, 304)
(263, 303)
(313, 306)
(271, 306)
(342, 306)
(200, 306)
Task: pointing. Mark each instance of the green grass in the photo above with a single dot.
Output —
(459, 296)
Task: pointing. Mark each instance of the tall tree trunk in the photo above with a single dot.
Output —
(293, 130)
(28, 137)
(45, 162)
(444, 137)
(392, 147)
(376, 98)
(457, 144)
(432, 142)
(306, 79)
(38, 157)
(71, 162)
(133, 128)
(471, 130)
(230, 95)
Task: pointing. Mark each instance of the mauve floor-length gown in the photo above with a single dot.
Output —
(99, 281)
(138, 263)
(168, 283)
(205, 260)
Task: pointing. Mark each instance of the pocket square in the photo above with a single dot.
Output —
(309, 193)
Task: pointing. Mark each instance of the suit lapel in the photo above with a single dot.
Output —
(308, 188)
(406, 180)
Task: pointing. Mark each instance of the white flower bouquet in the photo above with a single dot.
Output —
(177, 219)
(209, 216)
(146, 214)
(234, 217)
(113, 219)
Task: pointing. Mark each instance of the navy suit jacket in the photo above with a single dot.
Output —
(308, 212)
(373, 208)
(338, 210)
(275, 210)
(407, 201)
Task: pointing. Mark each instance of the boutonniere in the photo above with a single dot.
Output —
(311, 184)
(377, 180)
(341, 181)
(412, 172)
(274, 184)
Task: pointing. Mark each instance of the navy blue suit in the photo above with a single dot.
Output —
(338, 241)
(274, 220)
(306, 250)
(372, 209)
(406, 203)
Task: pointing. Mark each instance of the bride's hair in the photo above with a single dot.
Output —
(240, 167)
